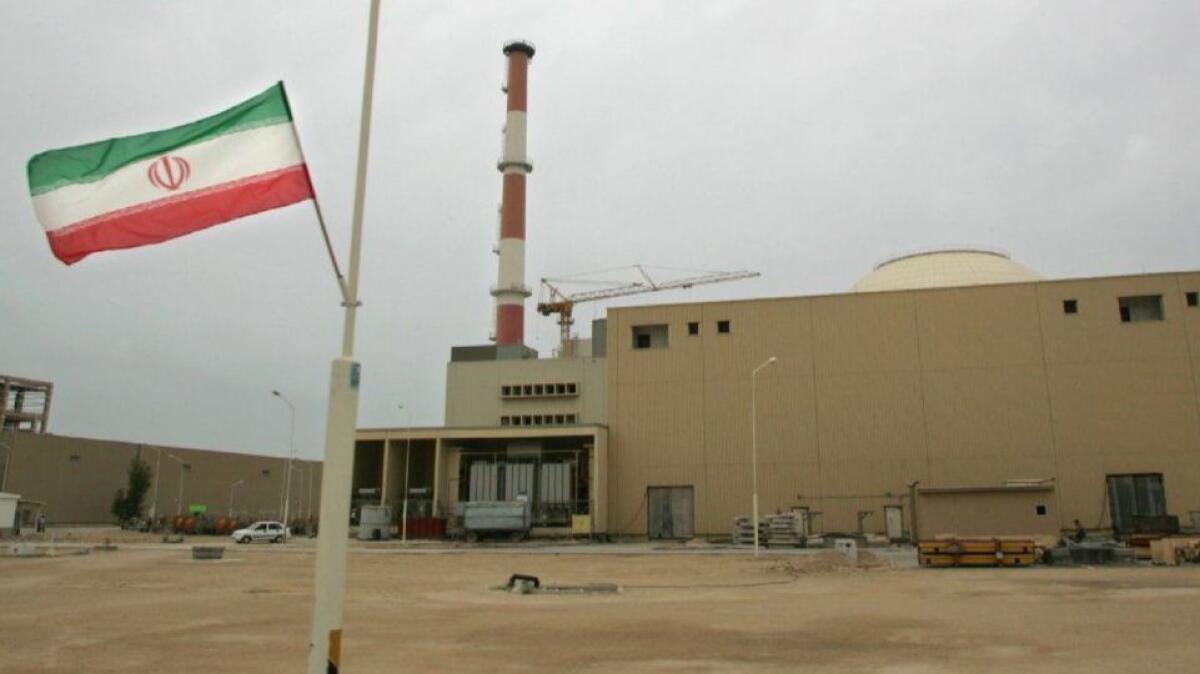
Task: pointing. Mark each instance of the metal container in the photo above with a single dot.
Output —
(375, 523)
(484, 517)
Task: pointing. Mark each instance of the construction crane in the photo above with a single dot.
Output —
(562, 303)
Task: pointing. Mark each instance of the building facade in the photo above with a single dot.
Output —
(76, 479)
(1088, 383)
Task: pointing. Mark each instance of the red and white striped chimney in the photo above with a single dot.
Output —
(510, 292)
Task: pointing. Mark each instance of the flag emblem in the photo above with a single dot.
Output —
(169, 173)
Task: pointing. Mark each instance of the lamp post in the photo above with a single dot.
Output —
(230, 513)
(754, 443)
(407, 454)
(154, 503)
(179, 497)
(308, 512)
(287, 481)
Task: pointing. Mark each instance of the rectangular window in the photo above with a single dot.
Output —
(1139, 308)
(527, 389)
(504, 421)
(266, 472)
(559, 419)
(570, 418)
(1041, 509)
(650, 336)
(1070, 306)
(526, 421)
(560, 389)
(723, 327)
(693, 328)
(505, 390)
(538, 390)
(1193, 299)
(571, 389)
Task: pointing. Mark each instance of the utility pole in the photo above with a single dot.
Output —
(329, 586)
(754, 443)
(179, 497)
(154, 504)
(407, 455)
(230, 511)
(287, 481)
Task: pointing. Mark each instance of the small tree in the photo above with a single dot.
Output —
(127, 503)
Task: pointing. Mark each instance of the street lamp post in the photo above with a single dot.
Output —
(754, 444)
(179, 497)
(308, 512)
(287, 481)
(230, 513)
(154, 503)
(407, 454)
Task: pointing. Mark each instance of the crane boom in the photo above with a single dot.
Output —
(563, 304)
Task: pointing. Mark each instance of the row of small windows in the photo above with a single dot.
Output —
(537, 420)
(539, 390)
(1132, 309)
(1137, 308)
(656, 336)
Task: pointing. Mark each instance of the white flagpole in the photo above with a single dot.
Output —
(329, 586)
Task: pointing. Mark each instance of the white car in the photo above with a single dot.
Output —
(274, 532)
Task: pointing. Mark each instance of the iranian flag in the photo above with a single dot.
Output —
(144, 189)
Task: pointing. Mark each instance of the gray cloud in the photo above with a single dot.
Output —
(804, 140)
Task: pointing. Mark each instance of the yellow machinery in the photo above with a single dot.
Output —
(976, 552)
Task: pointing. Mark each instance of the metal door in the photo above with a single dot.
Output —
(801, 522)
(669, 512)
(893, 518)
(1135, 495)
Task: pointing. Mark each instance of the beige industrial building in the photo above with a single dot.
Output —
(1089, 384)
(516, 426)
(958, 380)
(74, 479)
(952, 375)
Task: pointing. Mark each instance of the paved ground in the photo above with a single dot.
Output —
(148, 608)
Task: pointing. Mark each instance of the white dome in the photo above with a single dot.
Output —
(944, 269)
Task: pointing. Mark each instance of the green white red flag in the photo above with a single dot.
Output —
(152, 187)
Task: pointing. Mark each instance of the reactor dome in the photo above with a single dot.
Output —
(944, 269)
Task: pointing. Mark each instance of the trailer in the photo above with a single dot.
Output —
(496, 518)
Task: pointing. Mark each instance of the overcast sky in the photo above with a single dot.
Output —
(805, 140)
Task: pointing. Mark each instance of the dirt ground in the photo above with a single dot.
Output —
(150, 608)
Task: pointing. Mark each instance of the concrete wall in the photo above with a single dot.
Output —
(872, 391)
(473, 390)
(987, 512)
(77, 478)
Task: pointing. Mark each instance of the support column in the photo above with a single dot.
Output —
(383, 480)
(437, 477)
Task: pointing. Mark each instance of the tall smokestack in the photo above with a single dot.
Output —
(510, 292)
